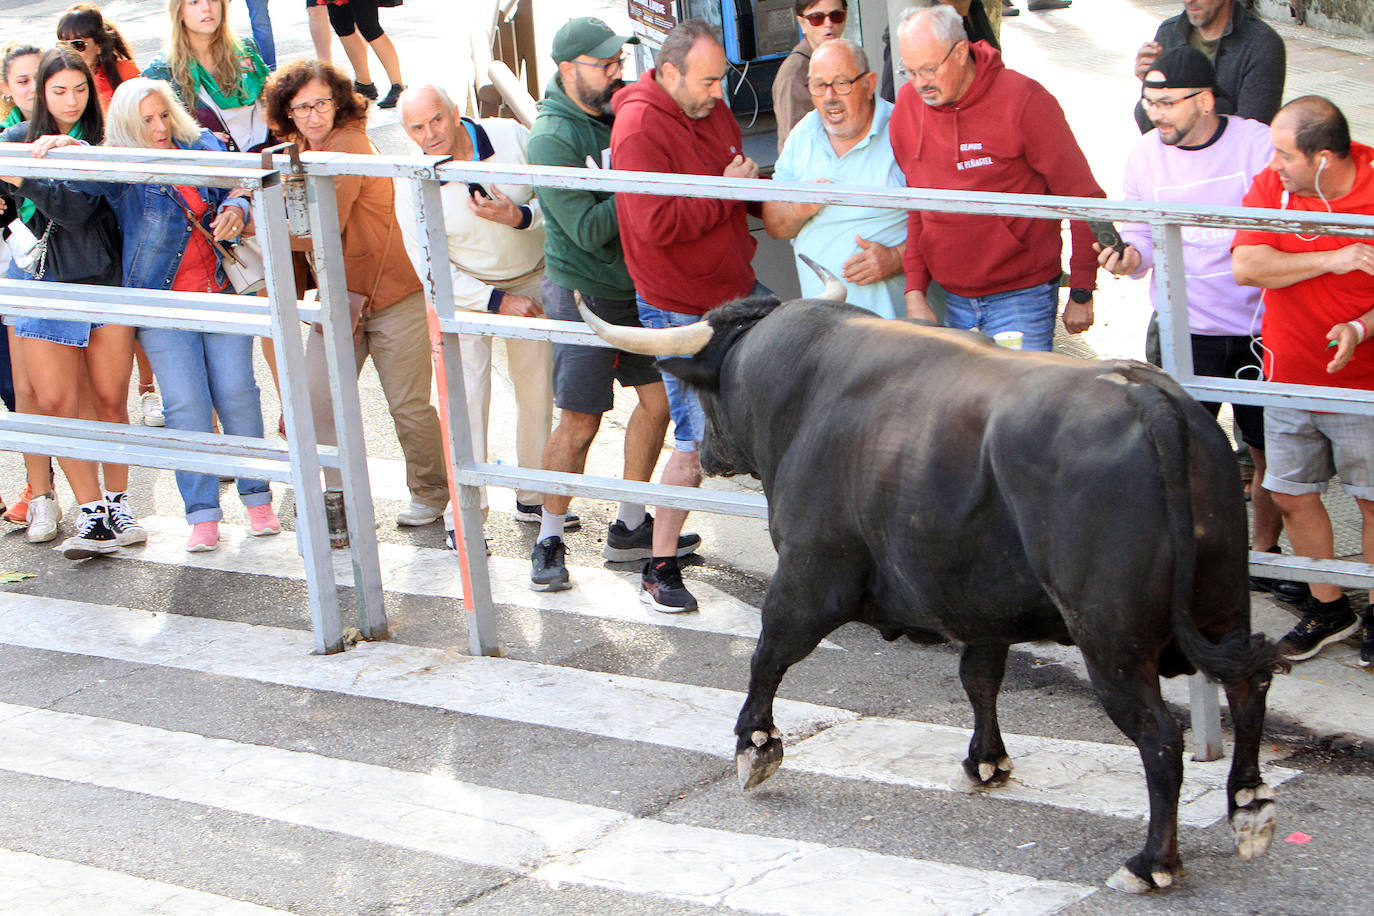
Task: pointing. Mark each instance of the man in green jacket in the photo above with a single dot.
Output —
(582, 252)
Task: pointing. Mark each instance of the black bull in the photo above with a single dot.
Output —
(934, 485)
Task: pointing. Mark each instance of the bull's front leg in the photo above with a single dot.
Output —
(1249, 802)
(981, 668)
(794, 623)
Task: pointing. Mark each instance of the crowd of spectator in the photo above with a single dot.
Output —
(1215, 131)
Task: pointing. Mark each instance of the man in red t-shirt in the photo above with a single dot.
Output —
(1317, 289)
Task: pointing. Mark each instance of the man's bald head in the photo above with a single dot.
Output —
(841, 52)
(1317, 125)
(431, 121)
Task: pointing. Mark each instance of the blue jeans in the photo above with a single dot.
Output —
(1031, 311)
(689, 421)
(198, 373)
(262, 32)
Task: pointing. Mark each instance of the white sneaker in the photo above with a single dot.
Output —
(44, 515)
(151, 405)
(417, 514)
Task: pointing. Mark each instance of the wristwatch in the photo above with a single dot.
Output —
(1081, 296)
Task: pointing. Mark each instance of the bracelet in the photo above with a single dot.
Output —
(1361, 332)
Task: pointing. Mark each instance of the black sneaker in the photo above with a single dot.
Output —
(366, 90)
(392, 96)
(1367, 643)
(128, 531)
(1284, 590)
(548, 571)
(1323, 622)
(93, 537)
(624, 544)
(663, 588)
(534, 514)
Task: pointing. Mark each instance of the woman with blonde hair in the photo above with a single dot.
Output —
(217, 76)
(170, 236)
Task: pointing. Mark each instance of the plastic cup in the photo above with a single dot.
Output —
(1009, 339)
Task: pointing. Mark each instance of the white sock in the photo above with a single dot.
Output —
(96, 506)
(111, 497)
(631, 515)
(551, 525)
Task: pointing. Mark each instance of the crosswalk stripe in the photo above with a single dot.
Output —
(1101, 779)
(596, 592)
(573, 842)
(32, 883)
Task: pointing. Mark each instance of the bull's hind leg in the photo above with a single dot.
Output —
(981, 668)
(797, 615)
(1130, 694)
(1249, 802)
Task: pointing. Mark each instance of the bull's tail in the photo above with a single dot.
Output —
(1240, 655)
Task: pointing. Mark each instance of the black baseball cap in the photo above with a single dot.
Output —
(1183, 67)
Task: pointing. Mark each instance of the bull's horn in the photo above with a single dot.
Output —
(683, 341)
(835, 289)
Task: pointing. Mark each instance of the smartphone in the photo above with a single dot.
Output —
(1106, 235)
(475, 188)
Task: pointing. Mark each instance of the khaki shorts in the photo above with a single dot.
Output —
(1305, 449)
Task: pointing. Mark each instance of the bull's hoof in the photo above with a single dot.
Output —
(1128, 882)
(1252, 821)
(760, 758)
(985, 775)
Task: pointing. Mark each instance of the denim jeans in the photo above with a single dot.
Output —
(1031, 311)
(262, 32)
(198, 373)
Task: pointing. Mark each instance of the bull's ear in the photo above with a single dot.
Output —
(695, 371)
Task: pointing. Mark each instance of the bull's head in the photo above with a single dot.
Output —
(696, 354)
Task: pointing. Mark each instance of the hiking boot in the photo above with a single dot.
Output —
(417, 515)
(663, 588)
(534, 513)
(18, 514)
(393, 95)
(1283, 589)
(94, 537)
(548, 569)
(624, 544)
(336, 519)
(128, 531)
(263, 521)
(204, 537)
(44, 516)
(1367, 642)
(366, 90)
(1323, 622)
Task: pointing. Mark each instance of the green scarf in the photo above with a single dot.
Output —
(26, 206)
(14, 117)
(251, 79)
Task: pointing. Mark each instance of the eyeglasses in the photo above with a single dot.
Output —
(927, 73)
(320, 106)
(841, 86)
(818, 19)
(617, 63)
(1167, 104)
(77, 44)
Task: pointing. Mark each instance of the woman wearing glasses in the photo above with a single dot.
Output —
(820, 20)
(313, 104)
(100, 45)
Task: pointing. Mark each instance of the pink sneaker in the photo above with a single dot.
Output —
(204, 537)
(262, 521)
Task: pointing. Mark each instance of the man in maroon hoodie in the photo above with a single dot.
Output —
(965, 122)
(686, 255)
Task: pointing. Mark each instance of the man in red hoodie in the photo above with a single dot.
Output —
(965, 122)
(686, 255)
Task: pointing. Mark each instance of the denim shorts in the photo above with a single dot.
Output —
(1305, 449)
(56, 330)
(689, 422)
(1031, 311)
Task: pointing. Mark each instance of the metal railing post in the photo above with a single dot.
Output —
(448, 361)
(337, 339)
(312, 531)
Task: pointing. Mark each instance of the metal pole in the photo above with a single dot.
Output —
(337, 330)
(312, 532)
(466, 499)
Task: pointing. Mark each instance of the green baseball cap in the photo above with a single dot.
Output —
(589, 36)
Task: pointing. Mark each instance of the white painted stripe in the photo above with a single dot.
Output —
(1101, 779)
(36, 884)
(574, 843)
(596, 592)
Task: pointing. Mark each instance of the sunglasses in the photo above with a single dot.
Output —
(818, 19)
(78, 44)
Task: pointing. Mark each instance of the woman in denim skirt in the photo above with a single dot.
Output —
(200, 373)
(79, 239)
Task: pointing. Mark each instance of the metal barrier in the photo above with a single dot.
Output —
(467, 475)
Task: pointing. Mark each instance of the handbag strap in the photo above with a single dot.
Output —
(191, 218)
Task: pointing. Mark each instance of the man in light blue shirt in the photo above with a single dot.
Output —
(844, 141)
